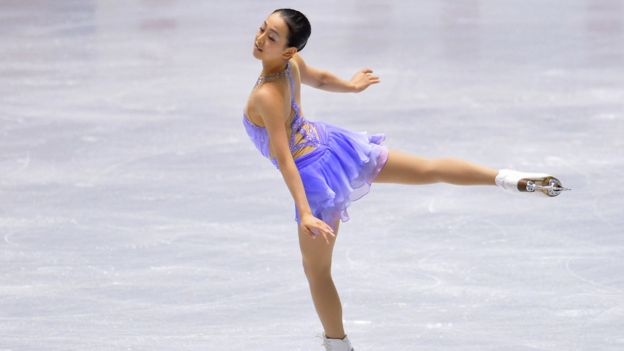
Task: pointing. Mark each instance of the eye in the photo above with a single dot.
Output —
(271, 39)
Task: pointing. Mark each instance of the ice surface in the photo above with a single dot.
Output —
(135, 214)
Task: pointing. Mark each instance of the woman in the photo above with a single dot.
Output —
(326, 167)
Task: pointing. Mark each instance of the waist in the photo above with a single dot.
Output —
(306, 138)
(319, 150)
(311, 156)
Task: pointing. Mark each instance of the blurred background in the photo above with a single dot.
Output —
(135, 214)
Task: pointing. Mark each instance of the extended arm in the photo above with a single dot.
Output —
(325, 80)
(267, 101)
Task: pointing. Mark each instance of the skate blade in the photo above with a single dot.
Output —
(550, 186)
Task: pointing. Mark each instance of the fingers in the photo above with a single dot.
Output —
(328, 231)
(323, 229)
(369, 74)
(326, 240)
(325, 236)
(370, 80)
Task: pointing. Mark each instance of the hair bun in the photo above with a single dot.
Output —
(299, 28)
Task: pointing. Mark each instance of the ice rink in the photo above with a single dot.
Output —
(136, 214)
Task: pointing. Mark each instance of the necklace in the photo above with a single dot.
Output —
(271, 77)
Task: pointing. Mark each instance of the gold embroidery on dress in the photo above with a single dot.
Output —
(300, 138)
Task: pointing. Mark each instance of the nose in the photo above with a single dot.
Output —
(259, 39)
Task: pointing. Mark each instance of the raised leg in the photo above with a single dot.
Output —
(317, 256)
(404, 168)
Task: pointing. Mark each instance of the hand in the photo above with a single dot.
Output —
(313, 226)
(363, 78)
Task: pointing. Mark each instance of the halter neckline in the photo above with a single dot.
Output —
(273, 76)
(293, 102)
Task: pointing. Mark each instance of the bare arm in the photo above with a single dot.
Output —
(325, 80)
(268, 101)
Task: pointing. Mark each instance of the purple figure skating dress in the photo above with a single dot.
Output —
(339, 169)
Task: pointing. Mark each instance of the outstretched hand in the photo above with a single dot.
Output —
(363, 78)
(314, 226)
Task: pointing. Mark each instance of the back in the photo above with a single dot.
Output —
(303, 136)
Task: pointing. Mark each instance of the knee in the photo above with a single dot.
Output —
(438, 168)
(316, 270)
(430, 170)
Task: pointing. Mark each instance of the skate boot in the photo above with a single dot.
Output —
(541, 183)
(337, 344)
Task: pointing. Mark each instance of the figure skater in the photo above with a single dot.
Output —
(326, 167)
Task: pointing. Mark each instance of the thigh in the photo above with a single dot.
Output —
(316, 252)
(404, 168)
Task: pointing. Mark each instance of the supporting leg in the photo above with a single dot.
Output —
(316, 256)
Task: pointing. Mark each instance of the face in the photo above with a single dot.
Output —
(271, 39)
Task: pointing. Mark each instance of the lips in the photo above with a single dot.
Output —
(257, 47)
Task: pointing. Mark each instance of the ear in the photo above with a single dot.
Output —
(289, 53)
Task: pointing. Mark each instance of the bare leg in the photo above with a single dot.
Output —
(404, 168)
(317, 255)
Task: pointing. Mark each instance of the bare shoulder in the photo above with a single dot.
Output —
(265, 95)
(267, 100)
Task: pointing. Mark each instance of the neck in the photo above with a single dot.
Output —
(273, 67)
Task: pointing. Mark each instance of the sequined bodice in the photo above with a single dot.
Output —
(306, 130)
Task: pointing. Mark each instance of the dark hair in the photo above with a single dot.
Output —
(299, 28)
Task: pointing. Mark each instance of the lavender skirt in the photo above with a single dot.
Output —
(340, 170)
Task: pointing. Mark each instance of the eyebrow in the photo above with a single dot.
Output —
(271, 29)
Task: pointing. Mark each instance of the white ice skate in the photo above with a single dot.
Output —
(337, 344)
(541, 183)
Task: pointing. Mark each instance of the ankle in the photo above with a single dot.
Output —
(335, 337)
(334, 344)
